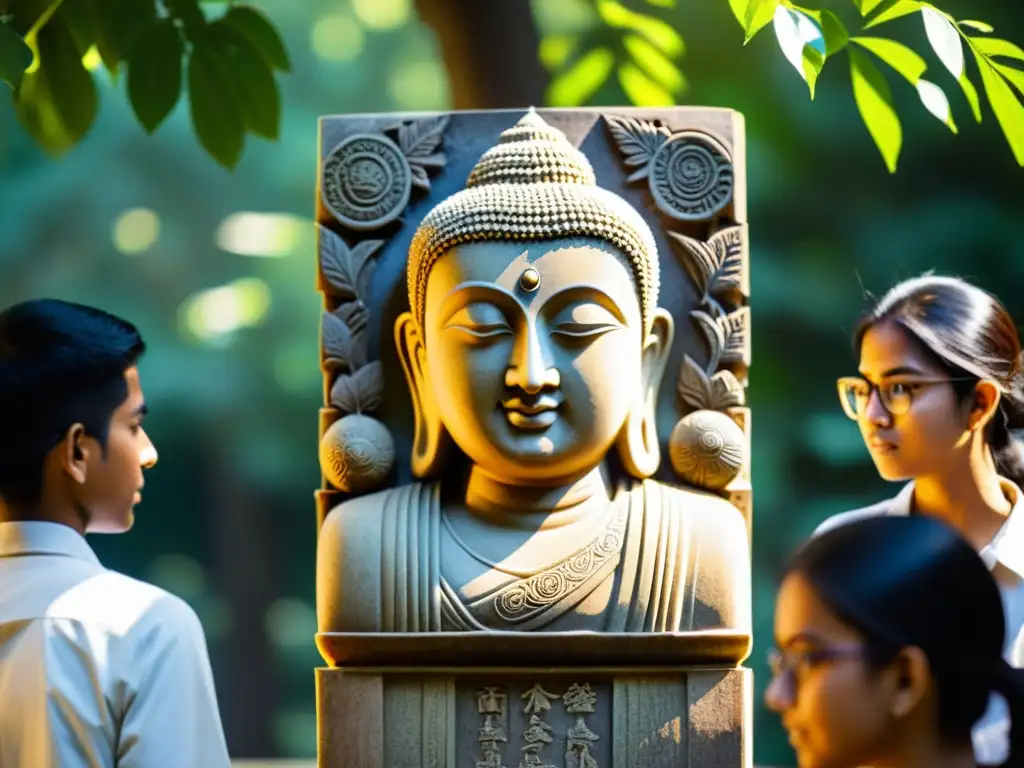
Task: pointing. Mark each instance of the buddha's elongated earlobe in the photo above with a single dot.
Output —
(638, 441)
(430, 438)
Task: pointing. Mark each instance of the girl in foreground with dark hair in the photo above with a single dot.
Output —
(890, 633)
(937, 401)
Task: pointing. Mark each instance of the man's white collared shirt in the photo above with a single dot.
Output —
(1004, 556)
(97, 669)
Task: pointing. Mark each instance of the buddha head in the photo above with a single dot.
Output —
(534, 340)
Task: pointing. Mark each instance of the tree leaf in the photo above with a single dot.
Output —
(369, 384)
(15, 56)
(795, 31)
(896, 55)
(971, 94)
(120, 25)
(661, 34)
(336, 339)
(981, 26)
(654, 64)
(834, 32)
(726, 391)
(813, 63)
(866, 6)
(637, 141)
(993, 46)
(739, 10)
(714, 336)
(56, 103)
(578, 83)
(261, 34)
(693, 386)
(759, 14)
(641, 90)
(893, 9)
(252, 80)
(154, 74)
(216, 114)
(874, 101)
(944, 39)
(1015, 76)
(1008, 111)
(936, 102)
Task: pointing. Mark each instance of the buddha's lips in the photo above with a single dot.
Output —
(530, 408)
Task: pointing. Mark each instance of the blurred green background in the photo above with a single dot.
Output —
(217, 269)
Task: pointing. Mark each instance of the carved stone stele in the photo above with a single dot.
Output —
(505, 514)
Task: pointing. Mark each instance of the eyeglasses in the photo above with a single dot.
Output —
(795, 664)
(896, 395)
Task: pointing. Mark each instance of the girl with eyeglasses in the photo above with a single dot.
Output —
(939, 394)
(890, 635)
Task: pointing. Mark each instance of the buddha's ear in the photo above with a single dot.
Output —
(638, 441)
(429, 436)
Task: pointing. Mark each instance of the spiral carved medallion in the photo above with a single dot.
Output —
(366, 181)
(706, 449)
(691, 176)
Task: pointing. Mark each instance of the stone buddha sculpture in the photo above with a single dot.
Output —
(534, 349)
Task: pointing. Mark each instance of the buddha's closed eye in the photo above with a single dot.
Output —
(480, 321)
(584, 321)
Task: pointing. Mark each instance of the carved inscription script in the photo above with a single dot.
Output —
(541, 730)
(491, 704)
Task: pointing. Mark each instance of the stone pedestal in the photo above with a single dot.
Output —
(501, 708)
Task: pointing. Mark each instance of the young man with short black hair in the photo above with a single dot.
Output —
(96, 668)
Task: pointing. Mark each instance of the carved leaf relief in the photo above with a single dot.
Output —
(694, 386)
(419, 141)
(347, 270)
(726, 391)
(336, 339)
(735, 332)
(715, 266)
(637, 140)
(360, 392)
(714, 335)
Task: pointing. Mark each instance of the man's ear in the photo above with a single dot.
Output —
(74, 453)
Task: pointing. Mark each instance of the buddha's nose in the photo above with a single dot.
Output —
(530, 368)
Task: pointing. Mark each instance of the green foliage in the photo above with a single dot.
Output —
(15, 56)
(640, 49)
(945, 35)
(231, 62)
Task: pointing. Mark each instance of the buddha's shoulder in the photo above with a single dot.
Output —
(369, 511)
(705, 511)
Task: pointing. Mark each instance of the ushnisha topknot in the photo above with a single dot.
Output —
(533, 186)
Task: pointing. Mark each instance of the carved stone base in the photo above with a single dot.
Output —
(516, 718)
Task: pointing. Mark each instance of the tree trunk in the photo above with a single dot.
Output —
(247, 574)
(490, 49)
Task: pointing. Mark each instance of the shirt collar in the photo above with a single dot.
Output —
(1007, 546)
(41, 538)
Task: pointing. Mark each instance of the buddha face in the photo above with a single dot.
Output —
(535, 354)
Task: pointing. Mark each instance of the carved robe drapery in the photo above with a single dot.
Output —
(637, 574)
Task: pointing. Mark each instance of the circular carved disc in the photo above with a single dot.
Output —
(691, 176)
(366, 181)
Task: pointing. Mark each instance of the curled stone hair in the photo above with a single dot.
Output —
(533, 186)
